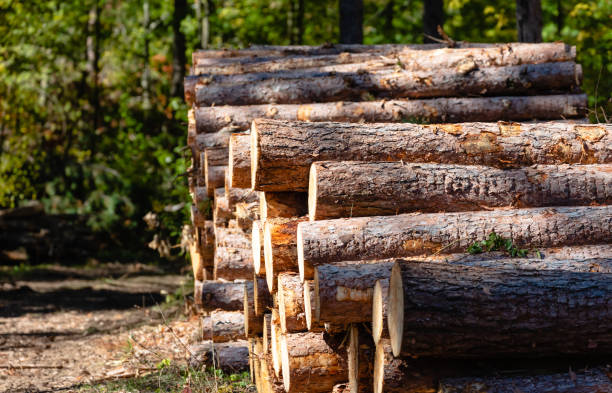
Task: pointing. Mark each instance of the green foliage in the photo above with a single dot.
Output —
(497, 243)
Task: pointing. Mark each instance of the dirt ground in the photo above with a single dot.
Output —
(69, 327)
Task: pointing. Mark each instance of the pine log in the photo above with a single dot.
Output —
(197, 217)
(360, 355)
(214, 177)
(240, 160)
(262, 297)
(356, 189)
(211, 140)
(343, 294)
(231, 357)
(505, 312)
(253, 324)
(309, 305)
(269, 382)
(266, 337)
(212, 295)
(380, 311)
(208, 233)
(231, 237)
(241, 195)
(282, 204)
(251, 346)
(280, 249)
(191, 126)
(216, 156)
(246, 214)
(257, 247)
(257, 356)
(223, 326)
(221, 211)
(275, 343)
(233, 264)
(197, 265)
(291, 303)
(283, 151)
(364, 238)
(200, 198)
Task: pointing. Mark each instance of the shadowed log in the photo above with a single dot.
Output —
(228, 296)
(280, 248)
(282, 204)
(231, 357)
(240, 160)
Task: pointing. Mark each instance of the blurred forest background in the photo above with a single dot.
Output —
(92, 116)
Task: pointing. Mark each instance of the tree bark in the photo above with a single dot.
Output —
(231, 357)
(246, 214)
(299, 87)
(223, 326)
(283, 151)
(529, 20)
(504, 312)
(364, 238)
(221, 211)
(433, 16)
(291, 303)
(227, 296)
(240, 160)
(280, 248)
(357, 189)
(231, 237)
(282, 204)
(351, 21)
(212, 140)
(263, 299)
(214, 178)
(179, 59)
(216, 156)
(233, 263)
(258, 251)
(253, 324)
(240, 195)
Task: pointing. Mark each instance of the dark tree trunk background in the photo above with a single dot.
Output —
(388, 18)
(351, 21)
(529, 20)
(433, 16)
(179, 59)
(300, 22)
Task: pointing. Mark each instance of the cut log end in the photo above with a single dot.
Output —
(353, 358)
(284, 352)
(300, 253)
(395, 317)
(312, 193)
(256, 246)
(379, 369)
(317, 300)
(245, 311)
(308, 304)
(254, 154)
(377, 312)
(268, 259)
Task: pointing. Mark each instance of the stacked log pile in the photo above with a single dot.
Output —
(312, 185)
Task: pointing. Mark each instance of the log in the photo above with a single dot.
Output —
(283, 151)
(212, 139)
(364, 238)
(200, 198)
(216, 156)
(253, 324)
(208, 233)
(309, 305)
(241, 195)
(233, 264)
(291, 303)
(270, 383)
(266, 338)
(257, 247)
(380, 311)
(231, 357)
(198, 218)
(213, 295)
(240, 160)
(197, 261)
(257, 356)
(343, 294)
(275, 343)
(221, 211)
(246, 214)
(360, 354)
(298, 87)
(282, 204)
(214, 177)
(280, 249)
(231, 237)
(505, 312)
(223, 326)
(434, 110)
(357, 189)
(262, 297)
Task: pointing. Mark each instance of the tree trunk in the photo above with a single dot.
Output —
(343, 294)
(433, 17)
(282, 204)
(365, 238)
(283, 151)
(240, 160)
(263, 299)
(380, 307)
(212, 295)
(351, 21)
(291, 303)
(221, 212)
(179, 59)
(233, 263)
(529, 20)
(299, 87)
(280, 249)
(223, 326)
(445, 110)
(231, 357)
(253, 324)
(214, 178)
(357, 189)
(258, 251)
(231, 237)
(505, 312)
(205, 37)
(208, 233)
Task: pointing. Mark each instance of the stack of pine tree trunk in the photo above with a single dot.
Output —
(300, 221)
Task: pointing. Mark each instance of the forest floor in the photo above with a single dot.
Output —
(111, 328)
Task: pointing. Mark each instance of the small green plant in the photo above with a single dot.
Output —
(497, 243)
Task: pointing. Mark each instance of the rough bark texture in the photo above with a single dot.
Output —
(246, 214)
(253, 324)
(221, 211)
(282, 204)
(503, 312)
(291, 303)
(263, 299)
(212, 295)
(233, 263)
(299, 87)
(240, 160)
(355, 189)
(223, 326)
(208, 233)
(445, 110)
(280, 249)
(240, 195)
(214, 177)
(211, 140)
(283, 151)
(363, 238)
(231, 237)
(216, 156)
(231, 357)
(257, 234)
(343, 294)
(200, 197)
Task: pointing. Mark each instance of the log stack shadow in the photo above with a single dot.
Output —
(338, 189)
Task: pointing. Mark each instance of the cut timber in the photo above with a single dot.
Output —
(356, 189)
(253, 324)
(343, 294)
(275, 342)
(240, 160)
(360, 354)
(280, 248)
(291, 303)
(212, 140)
(283, 151)
(282, 204)
(228, 296)
(208, 233)
(240, 195)
(223, 326)
(380, 307)
(257, 356)
(216, 156)
(246, 214)
(363, 238)
(221, 211)
(197, 217)
(231, 237)
(441, 110)
(197, 261)
(505, 312)
(258, 251)
(311, 364)
(267, 326)
(233, 264)
(263, 299)
(214, 177)
(231, 357)
(200, 198)
(309, 305)
(269, 382)
(303, 86)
